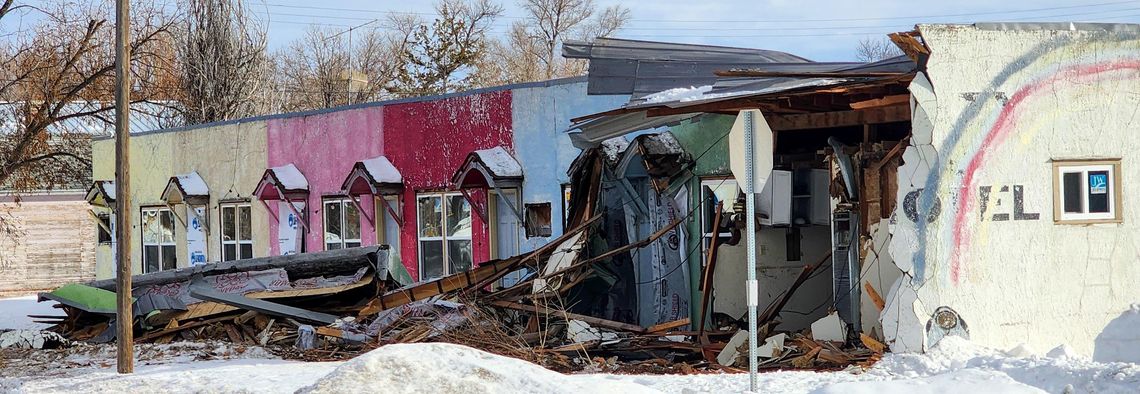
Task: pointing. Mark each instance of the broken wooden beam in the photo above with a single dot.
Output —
(199, 289)
(886, 101)
(593, 321)
(824, 120)
(874, 296)
(473, 279)
(668, 325)
(805, 74)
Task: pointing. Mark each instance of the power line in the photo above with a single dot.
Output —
(985, 13)
(877, 29)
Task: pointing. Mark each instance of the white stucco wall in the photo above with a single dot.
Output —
(994, 108)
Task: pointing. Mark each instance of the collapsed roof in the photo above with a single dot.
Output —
(620, 66)
(670, 83)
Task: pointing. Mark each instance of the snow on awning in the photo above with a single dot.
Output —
(375, 176)
(280, 183)
(186, 188)
(660, 154)
(101, 194)
(493, 168)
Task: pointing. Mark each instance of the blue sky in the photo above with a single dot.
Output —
(822, 30)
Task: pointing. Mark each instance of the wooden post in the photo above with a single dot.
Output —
(125, 319)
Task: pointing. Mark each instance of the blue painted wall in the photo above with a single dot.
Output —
(540, 117)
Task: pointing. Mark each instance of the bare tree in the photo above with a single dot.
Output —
(872, 50)
(529, 52)
(330, 67)
(222, 60)
(58, 87)
(441, 57)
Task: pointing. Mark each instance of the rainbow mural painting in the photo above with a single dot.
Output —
(979, 133)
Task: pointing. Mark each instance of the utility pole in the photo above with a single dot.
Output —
(124, 321)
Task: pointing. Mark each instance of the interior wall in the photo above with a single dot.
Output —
(775, 275)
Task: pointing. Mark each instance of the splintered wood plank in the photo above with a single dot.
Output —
(210, 308)
(473, 279)
(668, 325)
(233, 333)
(881, 102)
(593, 321)
(871, 343)
(874, 296)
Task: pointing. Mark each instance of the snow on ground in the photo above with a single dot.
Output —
(14, 313)
(954, 366)
(957, 366)
(403, 368)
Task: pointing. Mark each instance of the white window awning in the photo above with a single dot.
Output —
(102, 194)
(375, 176)
(488, 168)
(282, 183)
(187, 188)
(493, 168)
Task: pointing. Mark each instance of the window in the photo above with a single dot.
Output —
(342, 224)
(538, 220)
(1087, 191)
(712, 192)
(565, 206)
(389, 231)
(104, 228)
(158, 240)
(444, 234)
(237, 232)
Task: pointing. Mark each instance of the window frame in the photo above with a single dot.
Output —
(706, 236)
(100, 230)
(344, 202)
(161, 245)
(1083, 167)
(237, 242)
(567, 191)
(443, 238)
(383, 216)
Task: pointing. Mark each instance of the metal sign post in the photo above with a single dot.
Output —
(750, 241)
(750, 147)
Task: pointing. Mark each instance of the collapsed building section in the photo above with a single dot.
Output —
(834, 132)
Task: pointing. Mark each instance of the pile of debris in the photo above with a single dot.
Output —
(338, 304)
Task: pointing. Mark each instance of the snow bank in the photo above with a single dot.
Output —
(14, 313)
(1120, 340)
(964, 381)
(448, 368)
(1064, 374)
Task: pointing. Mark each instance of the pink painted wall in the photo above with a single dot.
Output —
(325, 147)
(427, 141)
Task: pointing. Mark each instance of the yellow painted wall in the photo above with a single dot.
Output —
(229, 157)
(150, 168)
